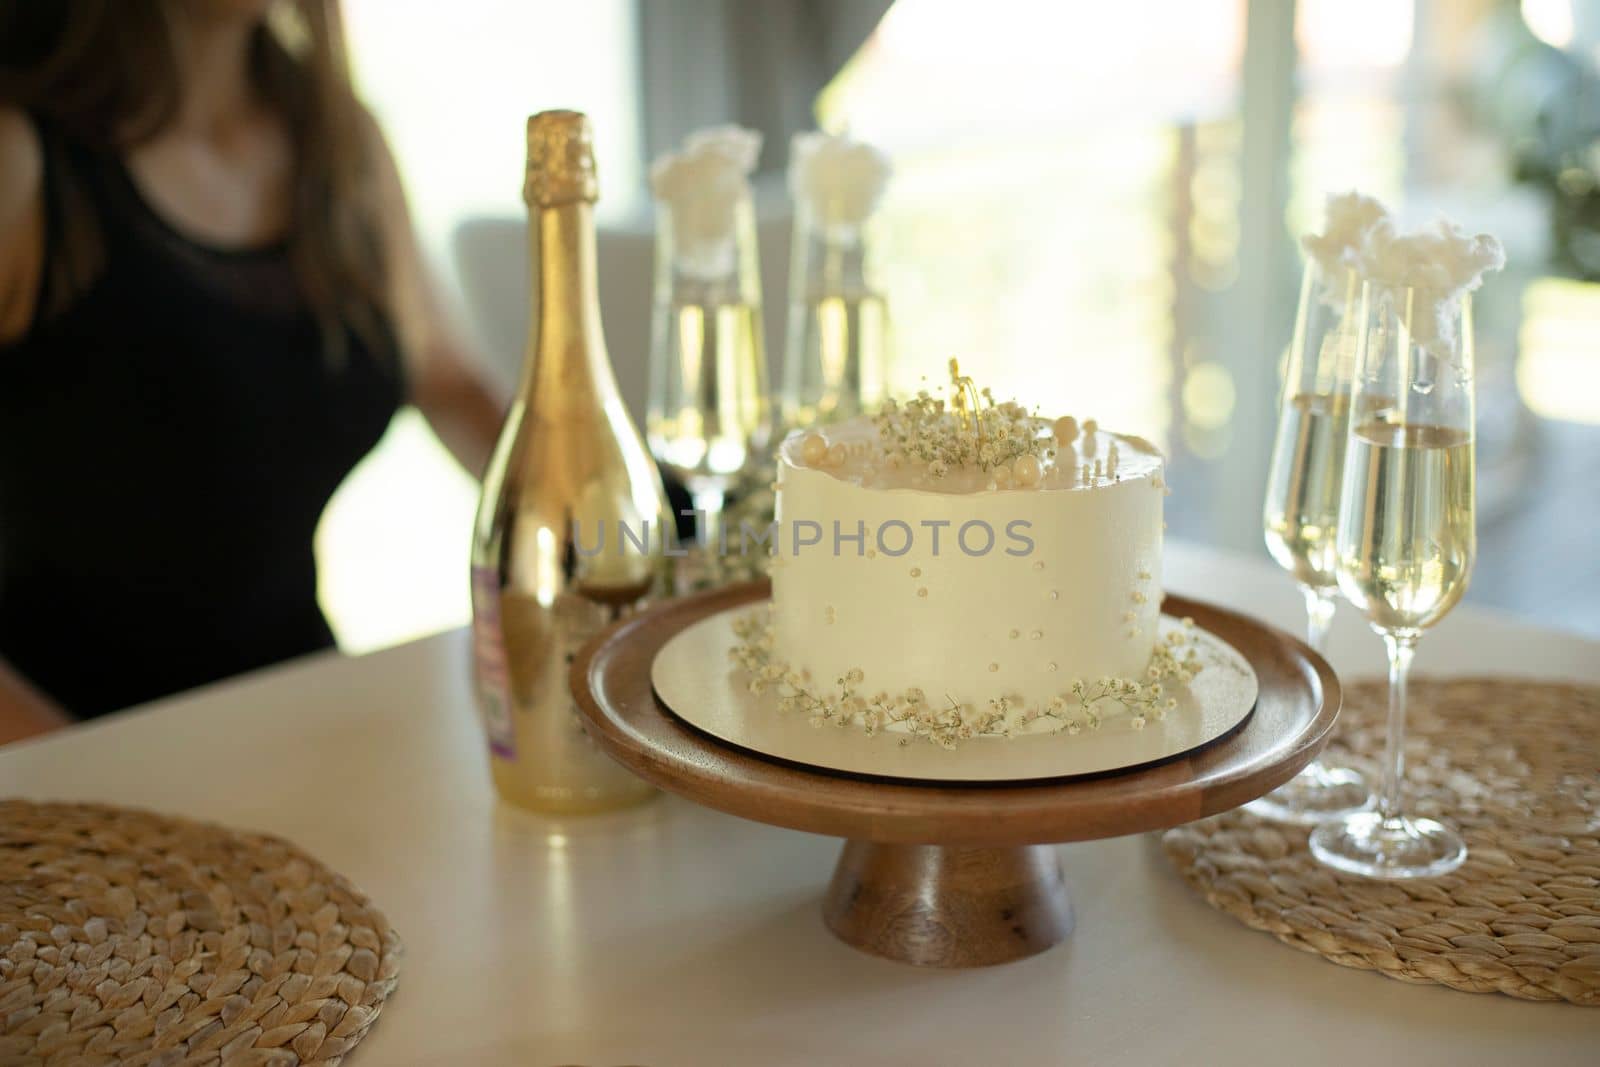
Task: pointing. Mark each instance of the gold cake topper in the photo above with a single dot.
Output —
(560, 160)
(965, 398)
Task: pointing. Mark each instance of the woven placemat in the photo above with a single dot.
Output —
(1515, 766)
(135, 939)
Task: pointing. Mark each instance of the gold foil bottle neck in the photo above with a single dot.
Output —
(560, 160)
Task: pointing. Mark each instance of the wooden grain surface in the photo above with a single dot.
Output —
(1295, 711)
(934, 906)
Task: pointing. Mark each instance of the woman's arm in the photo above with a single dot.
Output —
(24, 711)
(21, 222)
(448, 388)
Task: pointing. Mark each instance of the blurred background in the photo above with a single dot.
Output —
(1095, 206)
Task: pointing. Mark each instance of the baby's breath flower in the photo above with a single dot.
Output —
(1174, 657)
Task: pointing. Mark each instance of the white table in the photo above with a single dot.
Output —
(676, 935)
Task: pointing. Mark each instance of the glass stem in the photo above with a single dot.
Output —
(1401, 646)
(1320, 606)
(708, 501)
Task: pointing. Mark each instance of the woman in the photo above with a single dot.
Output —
(211, 303)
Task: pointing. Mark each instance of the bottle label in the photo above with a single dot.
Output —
(489, 655)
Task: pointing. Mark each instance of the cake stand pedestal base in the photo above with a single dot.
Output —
(946, 906)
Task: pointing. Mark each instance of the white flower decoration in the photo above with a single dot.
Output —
(1441, 263)
(839, 181)
(702, 186)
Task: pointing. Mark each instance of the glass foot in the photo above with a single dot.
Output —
(1370, 845)
(1313, 796)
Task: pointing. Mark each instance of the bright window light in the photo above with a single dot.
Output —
(1558, 372)
(1028, 228)
(392, 547)
(1550, 21)
(1342, 35)
(454, 84)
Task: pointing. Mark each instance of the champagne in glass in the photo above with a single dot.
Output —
(837, 345)
(1409, 546)
(836, 351)
(1302, 507)
(1405, 542)
(1302, 504)
(709, 418)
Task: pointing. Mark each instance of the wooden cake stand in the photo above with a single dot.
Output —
(940, 874)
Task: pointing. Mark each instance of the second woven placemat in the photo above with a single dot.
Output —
(1515, 766)
(135, 939)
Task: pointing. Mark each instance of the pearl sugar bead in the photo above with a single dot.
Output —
(1027, 470)
(813, 449)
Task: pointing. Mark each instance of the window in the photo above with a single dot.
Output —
(1030, 228)
(1072, 216)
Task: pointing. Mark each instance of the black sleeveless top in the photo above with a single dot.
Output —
(169, 434)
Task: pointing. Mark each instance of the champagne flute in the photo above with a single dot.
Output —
(836, 348)
(1302, 503)
(708, 419)
(1406, 540)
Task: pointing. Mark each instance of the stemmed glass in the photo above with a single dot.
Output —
(708, 418)
(1407, 538)
(1302, 505)
(836, 347)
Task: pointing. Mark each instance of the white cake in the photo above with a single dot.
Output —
(953, 575)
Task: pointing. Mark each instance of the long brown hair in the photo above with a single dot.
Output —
(105, 72)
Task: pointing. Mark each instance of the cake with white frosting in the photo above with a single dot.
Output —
(963, 569)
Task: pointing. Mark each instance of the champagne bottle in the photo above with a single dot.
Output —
(572, 521)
